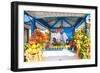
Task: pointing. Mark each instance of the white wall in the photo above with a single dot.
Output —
(5, 35)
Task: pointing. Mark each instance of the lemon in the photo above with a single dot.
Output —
(30, 51)
(33, 46)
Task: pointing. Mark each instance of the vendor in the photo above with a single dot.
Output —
(55, 36)
(64, 37)
(58, 36)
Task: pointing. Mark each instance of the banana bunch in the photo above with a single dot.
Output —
(34, 52)
(82, 41)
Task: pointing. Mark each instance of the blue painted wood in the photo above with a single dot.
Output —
(55, 23)
(61, 23)
(42, 22)
(67, 22)
(28, 23)
(78, 21)
(33, 25)
(68, 30)
(31, 21)
(85, 24)
(81, 20)
(28, 14)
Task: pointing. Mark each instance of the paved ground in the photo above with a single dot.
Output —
(59, 55)
(60, 58)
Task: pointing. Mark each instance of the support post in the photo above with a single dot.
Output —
(33, 25)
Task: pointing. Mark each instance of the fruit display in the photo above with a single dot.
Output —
(57, 46)
(81, 41)
(34, 52)
(39, 37)
(34, 48)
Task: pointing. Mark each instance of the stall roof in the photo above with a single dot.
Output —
(42, 14)
(57, 19)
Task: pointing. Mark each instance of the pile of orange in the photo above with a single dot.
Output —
(39, 37)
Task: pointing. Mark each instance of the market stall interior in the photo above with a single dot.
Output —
(52, 36)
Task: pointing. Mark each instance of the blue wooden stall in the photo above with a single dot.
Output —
(31, 20)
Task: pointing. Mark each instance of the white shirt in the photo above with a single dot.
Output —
(55, 35)
(59, 36)
(64, 37)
